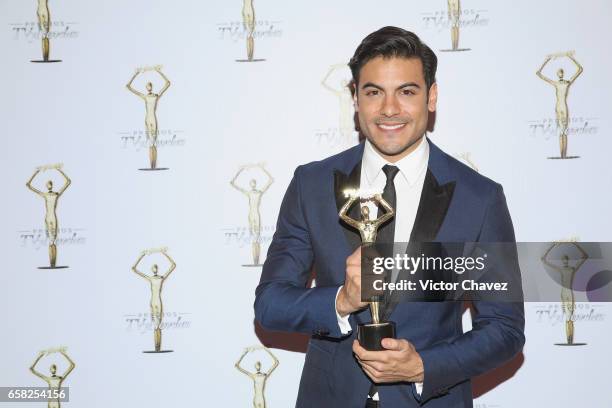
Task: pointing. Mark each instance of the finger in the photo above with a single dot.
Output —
(380, 377)
(354, 275)
(357, 349)
(375, 365)
(366, 355)
(376, 376)
(361, 353)
(355, 257)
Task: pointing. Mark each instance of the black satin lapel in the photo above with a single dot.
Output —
(435, 200)
(433, 206)
(343, 182)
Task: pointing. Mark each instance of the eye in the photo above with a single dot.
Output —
(407, 92)
(372, 92)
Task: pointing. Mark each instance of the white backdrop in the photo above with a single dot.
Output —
(223, 114)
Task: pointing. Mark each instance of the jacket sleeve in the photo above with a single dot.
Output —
(497, 332)
(282, 300)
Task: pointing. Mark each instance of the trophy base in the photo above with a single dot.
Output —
(158, 352)
(253, 60)
(371, 334)
(563, 158)
(44, 61)
(155, 169)
(53, 267)
(457, 50)
(570, 344)
(252, 265)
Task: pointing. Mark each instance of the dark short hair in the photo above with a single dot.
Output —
(394, 42)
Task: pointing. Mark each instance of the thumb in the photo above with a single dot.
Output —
(394, 344)
(355, 257)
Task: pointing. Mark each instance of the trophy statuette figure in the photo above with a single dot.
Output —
(370, 334)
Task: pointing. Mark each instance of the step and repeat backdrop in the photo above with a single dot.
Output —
(147, 146)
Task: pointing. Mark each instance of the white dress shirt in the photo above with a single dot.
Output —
(408, 186)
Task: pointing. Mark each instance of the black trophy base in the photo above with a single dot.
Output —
(570, 344)
(53, 267)
(251, 60)
(154, 169)
(563, 158)
(252, 265)
(45, 61)
(371, 334)
(158, 351)
(457, 50)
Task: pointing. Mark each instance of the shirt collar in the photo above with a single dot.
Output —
(410, 166)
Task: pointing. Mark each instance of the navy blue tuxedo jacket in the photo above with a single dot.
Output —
(457, 205)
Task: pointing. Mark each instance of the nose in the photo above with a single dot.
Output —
(390, 106)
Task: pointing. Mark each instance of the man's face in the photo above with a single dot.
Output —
(393, 104)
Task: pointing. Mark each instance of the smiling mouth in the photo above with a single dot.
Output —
(389, 126)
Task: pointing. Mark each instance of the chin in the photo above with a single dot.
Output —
(391, 148)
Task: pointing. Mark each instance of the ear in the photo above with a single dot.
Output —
(433, 97)
(355, 102)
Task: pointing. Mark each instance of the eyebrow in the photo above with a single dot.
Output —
(404, 85)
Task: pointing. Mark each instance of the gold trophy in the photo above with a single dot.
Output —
(248, 22)
(345, 99)
(370, 334)
(44, 27)
(151, 100)
(254, 195)
(561, 90)
(54, 381)
(259, 378)
(156, 282)
(567, 273)
(50, 197)
(454, 17)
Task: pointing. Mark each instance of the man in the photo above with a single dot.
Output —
(437, 198)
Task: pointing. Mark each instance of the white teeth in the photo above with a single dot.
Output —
(391, 127)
